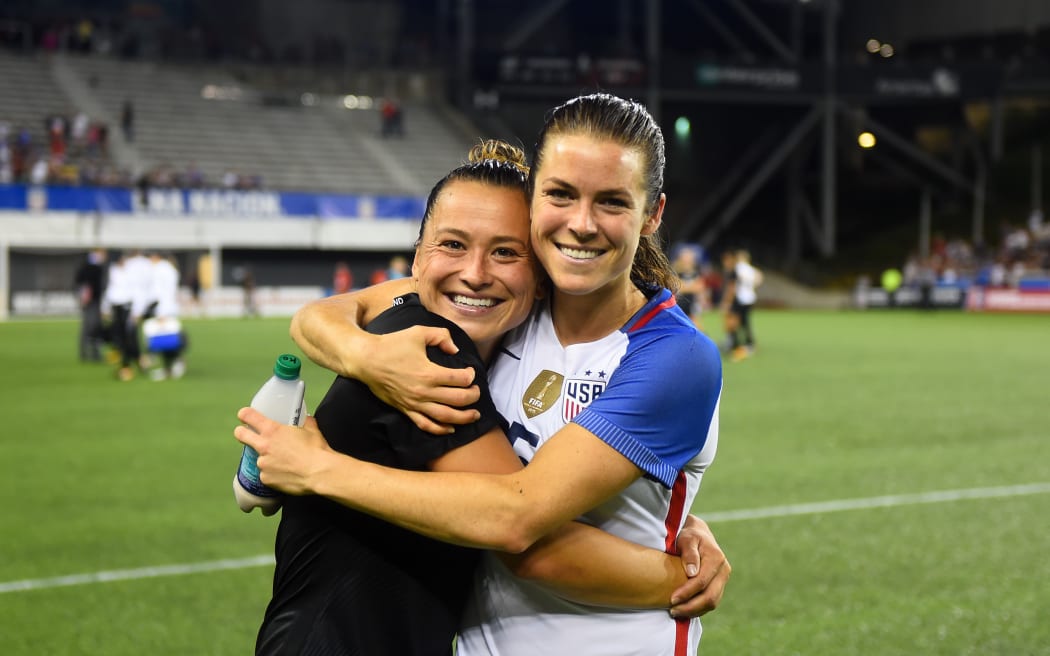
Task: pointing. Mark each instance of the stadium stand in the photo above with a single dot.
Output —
(205, 118)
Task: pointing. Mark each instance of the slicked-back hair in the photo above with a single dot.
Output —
(603, 116)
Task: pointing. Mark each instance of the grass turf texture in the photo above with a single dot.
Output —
(100, 475)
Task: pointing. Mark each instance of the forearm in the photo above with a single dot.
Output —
(318, 324)
(588, 565)
(574, 471)
(469, 509)
(330, 330)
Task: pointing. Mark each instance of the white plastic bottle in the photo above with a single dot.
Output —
(283, 399)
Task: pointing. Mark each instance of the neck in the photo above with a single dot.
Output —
(590, 317)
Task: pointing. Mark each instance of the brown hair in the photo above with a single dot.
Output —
(630, 124)
(491, 162)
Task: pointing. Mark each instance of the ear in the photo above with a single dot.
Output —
(415, 258)
(653, 221)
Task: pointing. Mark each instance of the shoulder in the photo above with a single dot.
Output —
(663, 340)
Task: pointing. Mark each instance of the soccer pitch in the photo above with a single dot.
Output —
(882, 487)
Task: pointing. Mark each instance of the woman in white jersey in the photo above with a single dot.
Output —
(608, 376)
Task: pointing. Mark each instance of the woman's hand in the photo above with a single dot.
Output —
(706, 565)
(401, 375)
(290, 458)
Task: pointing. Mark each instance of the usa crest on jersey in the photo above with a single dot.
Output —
(579, 392)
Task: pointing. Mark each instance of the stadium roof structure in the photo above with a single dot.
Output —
(825, 69)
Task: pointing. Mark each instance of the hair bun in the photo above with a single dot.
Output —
(499, 151)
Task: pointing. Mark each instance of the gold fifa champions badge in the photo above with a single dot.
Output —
(542, 394)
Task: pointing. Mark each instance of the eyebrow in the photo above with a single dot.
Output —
(463, 234)
(616, 191)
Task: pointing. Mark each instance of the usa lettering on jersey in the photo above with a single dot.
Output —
(579, 393)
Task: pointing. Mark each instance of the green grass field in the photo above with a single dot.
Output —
(101, 476)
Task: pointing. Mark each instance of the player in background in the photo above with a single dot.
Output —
(692, 294)
(165, 312)
(738, 300)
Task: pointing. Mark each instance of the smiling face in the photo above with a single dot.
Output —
(473, 265)
(589, 211)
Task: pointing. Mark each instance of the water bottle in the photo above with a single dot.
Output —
(282, 399)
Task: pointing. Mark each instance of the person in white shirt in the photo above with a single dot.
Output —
(738, 300)
(164, 325)
(116, 311)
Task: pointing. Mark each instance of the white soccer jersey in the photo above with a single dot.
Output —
(746, 277)
(165, 288)
(651, 391)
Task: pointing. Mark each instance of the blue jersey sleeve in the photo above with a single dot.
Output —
(661, 400)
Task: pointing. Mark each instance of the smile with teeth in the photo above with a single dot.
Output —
(460, 299)
(580, 253)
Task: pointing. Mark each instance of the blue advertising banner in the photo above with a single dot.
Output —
(209, 202)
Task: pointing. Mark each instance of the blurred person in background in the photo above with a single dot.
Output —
(135, 285)
(127, 121)
(692, 295)
(342, 278)
(398, 268)
(164, 322)
(738, 300)
(117, 307)
(245, 277)
(89, 282)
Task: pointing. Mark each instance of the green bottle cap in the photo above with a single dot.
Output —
(287, 367)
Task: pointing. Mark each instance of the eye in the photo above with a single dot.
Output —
(557, 193)
(506, 252)
(453, 244)
(616, 201)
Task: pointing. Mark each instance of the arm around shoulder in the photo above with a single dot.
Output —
(330, 330)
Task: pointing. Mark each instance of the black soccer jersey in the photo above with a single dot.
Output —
(347, 583)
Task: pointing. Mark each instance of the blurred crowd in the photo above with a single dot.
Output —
(145, 32)
(1022, 253)
(75, 152)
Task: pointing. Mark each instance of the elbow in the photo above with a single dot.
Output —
(295, 328)
(528, 566)
(514, 541)
(512, 529)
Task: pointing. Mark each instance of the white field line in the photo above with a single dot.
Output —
(714, 517)
(131, 574)
(878, 502)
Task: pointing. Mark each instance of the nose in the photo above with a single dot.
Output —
(475, 273)
(581, 221)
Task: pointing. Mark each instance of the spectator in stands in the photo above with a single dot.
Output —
(6, 167)
(79, 132)
(391, 116)
(38, 174)
(342, 279)
(127, 121)
(89, 283)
